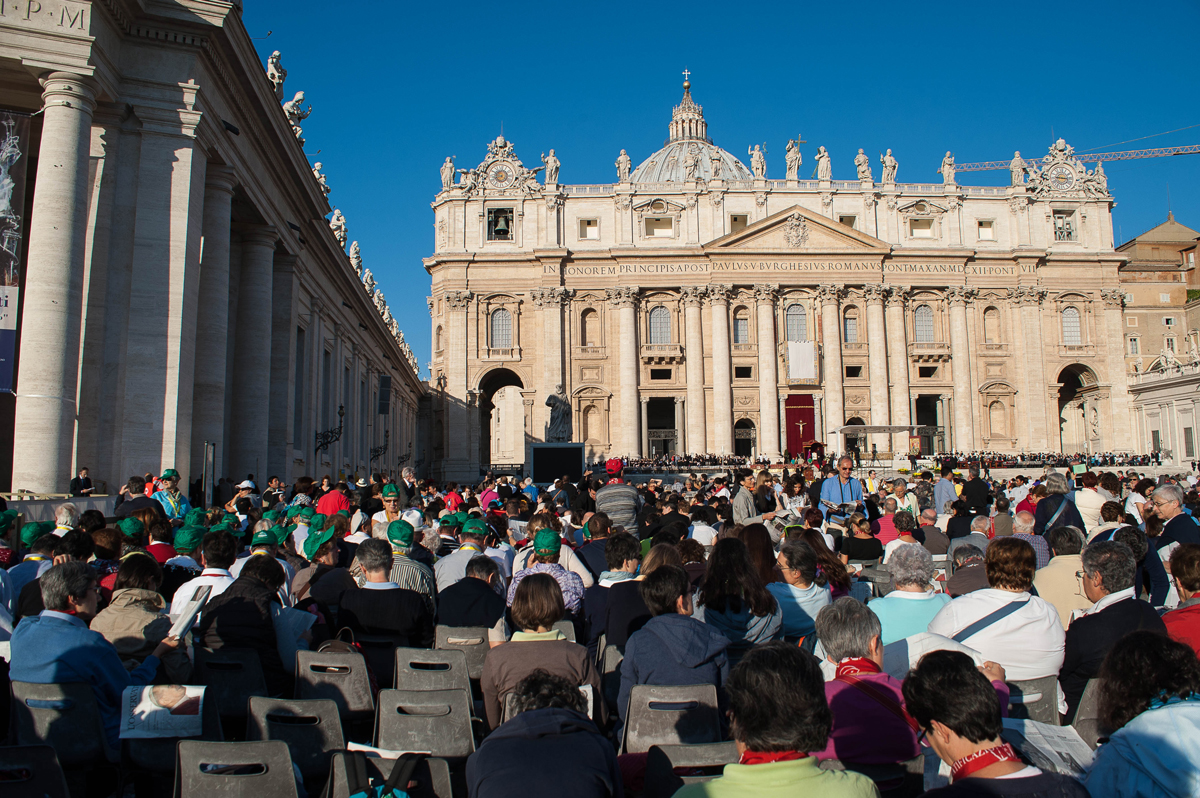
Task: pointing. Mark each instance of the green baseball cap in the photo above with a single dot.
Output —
(230, 518)
(306, 513)
(316, 540)
(282, 533)
(131, 528)
(170, 473)
(474, 526)
(263, 537)
(272, 516)
(195, 517)
(390, 489)
(546, 543)
(293, 511)
(344, 514)
(35, 529)
(452, 521)
(7, 518)
(401, 534)
(187, 538)
(317, 522)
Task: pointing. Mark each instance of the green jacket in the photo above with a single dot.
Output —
(800, 777)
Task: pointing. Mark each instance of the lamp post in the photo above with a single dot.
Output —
(333, 435)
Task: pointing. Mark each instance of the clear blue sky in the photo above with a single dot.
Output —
(396, 87)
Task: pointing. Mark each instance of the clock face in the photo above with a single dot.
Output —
(501, 175)
(1062, 178)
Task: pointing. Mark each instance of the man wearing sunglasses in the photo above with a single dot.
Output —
(842, 488)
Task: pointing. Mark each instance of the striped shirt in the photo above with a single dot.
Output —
(620, 502)
(569, 582)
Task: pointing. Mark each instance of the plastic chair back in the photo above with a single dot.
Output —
(158, 755)
(661, 761)
(670, 715)
(311, 729)
(471, 640)
(567, 628)
(610, 674)
(1087, 715)
(510, 703)
(231, 676)
(32, 771)
(65, 717)
(339, 676)
(1034, 699)
(432, 776)
(901, 780)
(245, 770)
(437, 722)
(423, 669)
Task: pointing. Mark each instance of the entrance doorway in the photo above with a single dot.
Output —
(501, 419)
(743, 438)
(660, 426)
(1078, 410)
(927, 416)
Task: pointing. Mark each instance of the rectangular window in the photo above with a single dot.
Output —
(659, 227)
(926, 372)
(500, 224)
(298, 399)
(326, 393)
(1189, 448)
(1164, 298)
(849, 221)
(987, 230)
(1170, 342)
(1131, 321)
(743, 372)
(741, 331)
(1064, 226)
(660, 374)
(850, 333)
(1155, 440)
(589, 229)
(853, 372)
(1134, 348)
(738, 221)
(1191, 260)
(920, 228)
(1168, 321)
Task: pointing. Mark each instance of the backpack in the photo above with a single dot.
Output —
(396, 786)
(336, 645)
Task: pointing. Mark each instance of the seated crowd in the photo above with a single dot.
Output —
(846, 628)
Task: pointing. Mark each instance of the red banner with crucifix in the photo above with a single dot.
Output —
(800, 418)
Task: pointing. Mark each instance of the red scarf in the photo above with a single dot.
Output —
(853, 666)
(763, 757)
(979, 760)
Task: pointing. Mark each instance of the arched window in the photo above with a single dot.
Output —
(741, 326)
(437, 339)
(589, 328)
(923, 324)
(501, 329)
(660, 325)
(991, 326)
(998, 419)
(797, 323)
(1070, 327)
(591, 424)
(850, 326)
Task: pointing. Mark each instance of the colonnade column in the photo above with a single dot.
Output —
(697, 436)
(831, 373)
(964, 426)
(212, 322)
(455, 416)
(718, 299)
(1119, 403)
(680, 408)
(252, 356)
(1030, 301)
(645, 449)
(44, 429)
(550, 301)
(877, 363)
(897, 298)
(768, 379)
(624, 298)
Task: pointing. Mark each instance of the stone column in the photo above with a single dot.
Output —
(456, 419)
(284, 304)
(44, 428)
(1120, 438)
(1030, 301)
(624, 298)
(697, 435)
(943, 426)
(960, 354)
(768, 379)
(897, 299)
(212, 322)
(718, 299)
(877, 356)
(550, 302)
(252, 357)
(831, 372)
(645, 451)
(679, 424)
(819, 417)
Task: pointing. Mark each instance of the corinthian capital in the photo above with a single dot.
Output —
(765, 294)
(960, 294)
(1027, 295)
(693, 295)
(457, 300)
(623, 296)
(719, 294)
(897, 296)
(1113, 298)
(874, 293)
(829, 294)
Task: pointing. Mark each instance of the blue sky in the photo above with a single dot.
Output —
(396, 87)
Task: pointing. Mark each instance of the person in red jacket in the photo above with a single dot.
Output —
(1183, 623)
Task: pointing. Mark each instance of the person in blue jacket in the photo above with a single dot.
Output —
(842, 488)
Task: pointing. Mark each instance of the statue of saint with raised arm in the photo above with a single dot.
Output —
(758, 161)
(296, 113)
(552, 165)
(890, 164)
(793, 159)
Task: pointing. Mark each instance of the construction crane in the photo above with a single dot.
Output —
(1091, 157)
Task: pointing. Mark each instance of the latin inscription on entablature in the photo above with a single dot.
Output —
(620, 269)
(45, 14)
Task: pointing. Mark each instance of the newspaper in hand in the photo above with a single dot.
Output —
(191, 611)
(161, 710)
(1057, 749)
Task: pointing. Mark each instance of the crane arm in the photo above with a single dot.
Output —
(1092, 157)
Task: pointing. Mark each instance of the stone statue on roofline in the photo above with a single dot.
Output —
(552, 164)
(623, 165)
(448, 174)
(321, 181)
(824, 165)
(793, 159)
(368, 281)
(758, 161)
(1016, 169)
(863, 165)
(946, 170)
(338, 225)
(356, 258)
(276, 74)
(296, 113)
(890, 165)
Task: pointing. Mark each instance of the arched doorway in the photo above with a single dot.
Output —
(856, 444)
(743, 438)
(501, 418)
(1078, 409)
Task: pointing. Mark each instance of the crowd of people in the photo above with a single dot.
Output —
(1051, 459)
(784, 593)
(679, 463)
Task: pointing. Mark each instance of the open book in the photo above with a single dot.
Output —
(161, 710)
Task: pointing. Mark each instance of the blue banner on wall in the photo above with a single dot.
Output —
(14, 148)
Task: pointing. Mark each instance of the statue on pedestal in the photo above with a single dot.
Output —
(824, 165)
(714, 162)
(296, 113)
(321, 181)
(691, 162)
(758, 161)
(793, 158)
(338, 225)
(863, 164)
(356, 258)
(552, 164)
(448, 174)
(947, 169)
(368, 281)
(890, 164)
(1016, 169)
(276, 74)
(559, 428)
(623, 165)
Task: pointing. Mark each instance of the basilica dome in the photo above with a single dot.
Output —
(689, 143)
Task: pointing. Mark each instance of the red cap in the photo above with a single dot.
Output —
(614, 466)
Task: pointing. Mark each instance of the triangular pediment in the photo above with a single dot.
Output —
(797, 230)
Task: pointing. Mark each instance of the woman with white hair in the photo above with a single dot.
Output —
(909, 608)
(1056, 509)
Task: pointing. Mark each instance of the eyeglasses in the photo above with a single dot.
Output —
(923, 738)
(1160, 504)
(1080, 574)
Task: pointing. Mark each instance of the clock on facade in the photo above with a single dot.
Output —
(501, 175)
(1062, 178)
